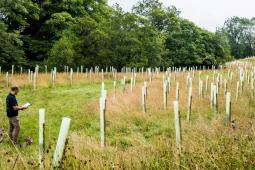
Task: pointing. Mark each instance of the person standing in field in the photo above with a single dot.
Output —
(12, 109)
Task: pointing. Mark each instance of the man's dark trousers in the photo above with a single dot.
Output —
(14, 128)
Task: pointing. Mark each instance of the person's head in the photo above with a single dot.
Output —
(15, 90)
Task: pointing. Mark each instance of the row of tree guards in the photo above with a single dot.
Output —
(175, 104)
(246, 75)
(33, 75)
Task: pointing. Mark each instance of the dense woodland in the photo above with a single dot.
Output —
(91, 33)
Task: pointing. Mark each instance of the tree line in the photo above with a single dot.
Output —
(91, 33)
(241, 36)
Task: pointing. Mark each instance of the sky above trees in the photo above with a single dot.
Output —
(208, 14)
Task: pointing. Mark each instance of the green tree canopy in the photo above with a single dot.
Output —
(91, 33)
(11, 48)
(241, 36)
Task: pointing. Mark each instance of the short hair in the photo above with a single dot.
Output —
(14, 88)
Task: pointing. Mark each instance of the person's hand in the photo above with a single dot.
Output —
(23, 108)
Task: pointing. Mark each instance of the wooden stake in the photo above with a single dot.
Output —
(143, 100)
(115, 88)
(146, 90)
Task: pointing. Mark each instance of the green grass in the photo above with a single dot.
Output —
(61, 101)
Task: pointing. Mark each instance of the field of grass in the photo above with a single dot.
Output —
(134, 140)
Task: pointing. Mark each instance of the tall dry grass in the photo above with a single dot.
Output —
(137, 140)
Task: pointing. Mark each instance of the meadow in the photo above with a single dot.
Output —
(135, 139)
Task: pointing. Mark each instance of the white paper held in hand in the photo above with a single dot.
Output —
(26, 105)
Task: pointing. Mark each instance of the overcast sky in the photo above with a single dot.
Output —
(208, 14)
